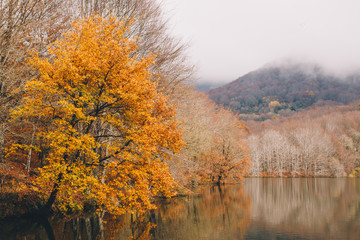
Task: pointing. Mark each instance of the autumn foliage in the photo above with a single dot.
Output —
(215, 151)
(105, 128)
(88, 117)
(229, 157)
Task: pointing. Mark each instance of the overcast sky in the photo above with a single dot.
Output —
(229, 38)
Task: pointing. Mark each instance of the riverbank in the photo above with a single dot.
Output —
(17, 194)
(18, 197)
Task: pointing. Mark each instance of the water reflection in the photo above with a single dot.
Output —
(304, 208)
(218, 213)
(258, 209)
(42, 228)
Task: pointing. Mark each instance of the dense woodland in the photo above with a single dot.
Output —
(96, 111)
(281, 89)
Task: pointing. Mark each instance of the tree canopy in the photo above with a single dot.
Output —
(100, 120)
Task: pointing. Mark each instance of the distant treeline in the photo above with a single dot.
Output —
(319, 142)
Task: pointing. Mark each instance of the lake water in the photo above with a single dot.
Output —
(258, 209)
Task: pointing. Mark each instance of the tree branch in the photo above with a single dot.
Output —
(117, 152)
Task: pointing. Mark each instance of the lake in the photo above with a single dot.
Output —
(261, 208)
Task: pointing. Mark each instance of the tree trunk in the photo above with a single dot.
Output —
(2, 143)
(2, 152)
(47, 226)
(218, 182)
(28, 163)
(46, 209)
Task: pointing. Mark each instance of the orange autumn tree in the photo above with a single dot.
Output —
(228, 159)
(108, 130)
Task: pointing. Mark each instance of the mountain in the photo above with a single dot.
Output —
(281, 89)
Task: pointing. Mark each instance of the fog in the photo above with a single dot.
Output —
(230, 38)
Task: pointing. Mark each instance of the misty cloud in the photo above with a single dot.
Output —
(230, 38)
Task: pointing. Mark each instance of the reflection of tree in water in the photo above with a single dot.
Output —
(218, 213)
(300, 208)
(128, 227)
(92, 227)
(324, 208)
(26, 228)
(41, 228)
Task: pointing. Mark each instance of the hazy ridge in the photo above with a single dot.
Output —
(281, 89)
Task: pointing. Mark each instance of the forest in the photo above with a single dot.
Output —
(98, 112)
(303, 121)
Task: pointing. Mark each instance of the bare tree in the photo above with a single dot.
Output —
(24, 25)
(317, 143)
(214, 150)
(171, 66)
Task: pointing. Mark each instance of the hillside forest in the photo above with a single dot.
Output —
(281, 89)
(98, 112)
(304, 121)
